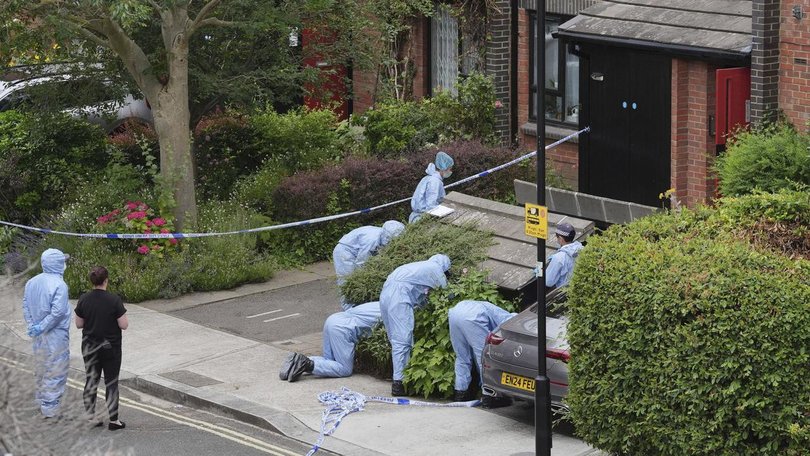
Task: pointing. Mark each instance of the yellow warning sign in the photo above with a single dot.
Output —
(536, 221)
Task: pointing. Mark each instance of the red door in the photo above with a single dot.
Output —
(733, 101)
(330, 90)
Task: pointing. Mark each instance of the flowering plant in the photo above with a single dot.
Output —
(138, 217)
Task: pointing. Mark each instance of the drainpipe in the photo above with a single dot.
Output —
(513, 76)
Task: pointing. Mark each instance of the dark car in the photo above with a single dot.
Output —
(509, 359)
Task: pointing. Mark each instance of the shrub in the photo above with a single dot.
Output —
(134, 141)
(465, 246)
(226, 147)
(199, 264)
(431, 369)
(699, 348)
(138, 217)
(43, 159)
(397, 128)
(298, 140)
(769, 158)
(778, 221)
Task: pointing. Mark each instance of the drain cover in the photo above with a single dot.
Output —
(190, 378)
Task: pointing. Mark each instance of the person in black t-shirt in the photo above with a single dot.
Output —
(101, 316)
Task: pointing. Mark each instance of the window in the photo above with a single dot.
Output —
(444, 50)
(562, 76)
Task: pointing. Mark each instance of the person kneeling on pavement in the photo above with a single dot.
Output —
(341, 332)
(470, 322)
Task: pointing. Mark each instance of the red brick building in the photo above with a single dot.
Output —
(643, 74)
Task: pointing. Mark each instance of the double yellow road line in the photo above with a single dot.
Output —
(220, 431)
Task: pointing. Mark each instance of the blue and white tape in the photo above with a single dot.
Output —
(290, 224)
(340, 404)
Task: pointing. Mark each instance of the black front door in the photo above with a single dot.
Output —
(626, 156)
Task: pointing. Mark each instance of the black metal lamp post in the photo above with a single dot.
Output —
(542, 393)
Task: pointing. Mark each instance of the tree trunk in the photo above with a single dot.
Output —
(172, 125)
(172, 121)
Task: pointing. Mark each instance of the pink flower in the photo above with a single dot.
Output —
(156, 247)
(498, 104)
(115, 212)
(164, 230)
(136, 215)
(132, 206)
(103, 219)
(159, 221)
(173, 241)
(143, 249)
(148, 223)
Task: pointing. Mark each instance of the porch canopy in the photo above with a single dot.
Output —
(714, 29)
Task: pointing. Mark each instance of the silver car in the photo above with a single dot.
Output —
(509, 359)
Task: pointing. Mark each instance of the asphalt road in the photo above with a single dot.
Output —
(272, 316)
(154, 427)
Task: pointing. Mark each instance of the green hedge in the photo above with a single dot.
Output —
(768, 158)
(686, 338)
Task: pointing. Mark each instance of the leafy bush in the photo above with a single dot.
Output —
(465, 246)
(43, 160)
(134, 141)
(430, 370)
(213, 263)
(702, 347)
(769, 158)
(298, 140)
(778, 221)
(396, 128)
(226, 147)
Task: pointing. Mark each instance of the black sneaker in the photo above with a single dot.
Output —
(495, 402)
(113, 426)
(397, 388)
(462, 396)
(286, 366)
(300, 365)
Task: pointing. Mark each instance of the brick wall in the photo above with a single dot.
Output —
(794, 63)
(563, 158)
(365, 80)
(764, 59)
(692, 149)
(498, 64)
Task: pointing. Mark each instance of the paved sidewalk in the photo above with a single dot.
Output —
(185, 362)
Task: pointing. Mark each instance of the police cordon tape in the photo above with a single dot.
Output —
(289, 224)
(340, 404)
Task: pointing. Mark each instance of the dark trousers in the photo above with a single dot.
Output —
(98, 359)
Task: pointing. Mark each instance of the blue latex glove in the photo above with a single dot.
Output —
(34, 331)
